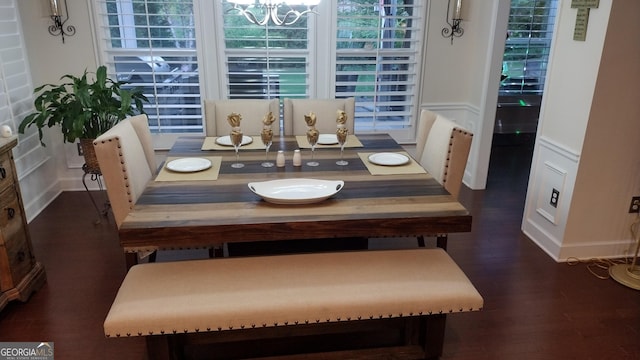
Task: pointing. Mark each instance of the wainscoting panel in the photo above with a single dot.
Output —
(553, 167)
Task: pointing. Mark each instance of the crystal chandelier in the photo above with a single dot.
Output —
(280, 12)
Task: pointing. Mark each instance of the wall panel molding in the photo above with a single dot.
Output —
(554, 166)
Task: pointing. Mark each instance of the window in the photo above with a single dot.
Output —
(372, 55)
(527, 47)
(151, 44)
(16, 91)
(265, 62)
(377, 60)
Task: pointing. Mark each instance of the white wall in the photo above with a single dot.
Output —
(36, 167)
(587, 146)
(49, 60)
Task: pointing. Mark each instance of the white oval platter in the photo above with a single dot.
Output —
(296, 191)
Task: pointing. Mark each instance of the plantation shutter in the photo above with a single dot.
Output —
(527, 47)
(377, 60)
(151, 44)
(265, 62)
(16, 91)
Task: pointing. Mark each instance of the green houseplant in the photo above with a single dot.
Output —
(84, 108)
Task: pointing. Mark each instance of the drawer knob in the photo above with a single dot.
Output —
(3, 173)
(11, 212)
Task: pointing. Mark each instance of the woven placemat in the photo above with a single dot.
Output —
(412, 167)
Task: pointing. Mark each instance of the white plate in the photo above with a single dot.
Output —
(388, 159)
(296, 191)
(226, 140)
(327, 139)
(191, 164)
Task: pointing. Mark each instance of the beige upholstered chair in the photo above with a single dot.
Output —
(325, 110)
(252, 111)
(122, 152)
(140, 124)
(442, 148)
(124, 165)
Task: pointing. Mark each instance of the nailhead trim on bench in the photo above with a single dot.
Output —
(306, 322)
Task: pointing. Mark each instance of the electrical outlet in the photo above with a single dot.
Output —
(555, 194)
(635, 205)
(80, 153)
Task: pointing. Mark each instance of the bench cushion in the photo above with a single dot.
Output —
(233, 293)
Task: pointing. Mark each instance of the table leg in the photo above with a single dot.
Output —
(130, 259)
(441, 241)
(433, 327)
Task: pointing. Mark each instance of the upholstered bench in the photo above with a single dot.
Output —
(340, 303)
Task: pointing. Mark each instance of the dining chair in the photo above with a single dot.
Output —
(120, 153)
(140, 124)
(127, 163)
(294, 111)
(442, 148)
(252, 111)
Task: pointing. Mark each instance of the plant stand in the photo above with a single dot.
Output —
(95, 175)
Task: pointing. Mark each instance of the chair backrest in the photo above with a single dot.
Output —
(252, 111)
(140, 124)
(445, 152)
(424, 126)
(325, 110)
(121, 155)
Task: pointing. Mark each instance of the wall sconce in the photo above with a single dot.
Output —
(270, 10)
(59, 18)
(454, 29)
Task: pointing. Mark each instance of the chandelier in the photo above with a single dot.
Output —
(280, 12)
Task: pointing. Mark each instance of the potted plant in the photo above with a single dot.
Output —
(84, 109)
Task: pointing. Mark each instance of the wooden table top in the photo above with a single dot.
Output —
(182, 214)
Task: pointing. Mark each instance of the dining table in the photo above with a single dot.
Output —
(208, 208)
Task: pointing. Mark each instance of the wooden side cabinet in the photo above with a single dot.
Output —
(20, 273)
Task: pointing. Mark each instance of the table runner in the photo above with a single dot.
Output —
(210, 144)
(413, 167)
(352, 142)
(208, 174)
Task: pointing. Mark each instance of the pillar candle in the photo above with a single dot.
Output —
(457, 10)
(54, 7)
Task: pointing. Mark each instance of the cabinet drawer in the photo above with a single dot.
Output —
(10, 211)
(18, 256)
(15, 254)
(6, 171)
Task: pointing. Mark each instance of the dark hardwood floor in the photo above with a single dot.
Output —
(535, 308)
